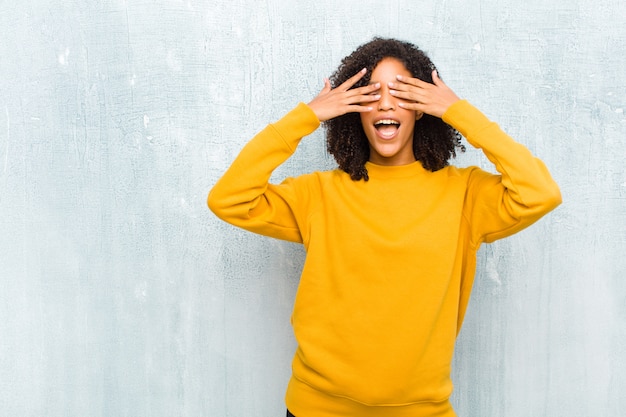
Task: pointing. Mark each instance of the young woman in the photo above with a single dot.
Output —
(391, 235)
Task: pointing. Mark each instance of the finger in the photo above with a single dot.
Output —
(408, 87)
(360, 103)
(346, 85)
(410, 96)
(366, 98)
(410, 81)
(413, 106)
(365, 90)
(400, 87)
(359, 109)
(355, 103)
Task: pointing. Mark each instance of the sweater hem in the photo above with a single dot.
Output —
(303, 400)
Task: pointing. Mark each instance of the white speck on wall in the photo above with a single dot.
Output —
(133, 80)
(491, 270)
(237, 31)
(63, 56)
(619, 110)
(141, 291)
(477, 46)
(146, 121)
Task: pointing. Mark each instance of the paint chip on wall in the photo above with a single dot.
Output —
(63, 56)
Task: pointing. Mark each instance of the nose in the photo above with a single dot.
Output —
(387, 102)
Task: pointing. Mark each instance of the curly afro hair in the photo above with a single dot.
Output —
(434, 141)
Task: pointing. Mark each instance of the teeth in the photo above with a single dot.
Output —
(386, 122)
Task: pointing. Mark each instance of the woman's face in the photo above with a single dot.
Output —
(388, 127)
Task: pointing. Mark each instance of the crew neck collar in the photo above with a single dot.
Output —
(394, 171)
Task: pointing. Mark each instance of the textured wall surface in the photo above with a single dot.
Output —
(122, 295)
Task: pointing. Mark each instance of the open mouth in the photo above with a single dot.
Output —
(387, 128)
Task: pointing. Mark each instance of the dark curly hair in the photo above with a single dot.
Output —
(434, 141)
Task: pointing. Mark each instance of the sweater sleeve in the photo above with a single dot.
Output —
(501, 205)
(244, 197)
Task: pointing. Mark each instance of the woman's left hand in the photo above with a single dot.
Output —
(433, 99)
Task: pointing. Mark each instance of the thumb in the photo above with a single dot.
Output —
(327, 86)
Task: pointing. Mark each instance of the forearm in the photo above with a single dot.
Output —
(242, 197)
(528, 182)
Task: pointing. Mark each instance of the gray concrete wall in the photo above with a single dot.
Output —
(122, 295)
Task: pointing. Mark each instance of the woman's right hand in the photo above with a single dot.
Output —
(334, 102)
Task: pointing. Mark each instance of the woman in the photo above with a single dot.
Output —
(391, 235)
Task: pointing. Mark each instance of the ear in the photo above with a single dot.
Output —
(418, 115)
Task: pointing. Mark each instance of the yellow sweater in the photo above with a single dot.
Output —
(390, 262)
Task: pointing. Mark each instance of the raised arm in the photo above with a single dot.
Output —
(498, 205)
(245, 198)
